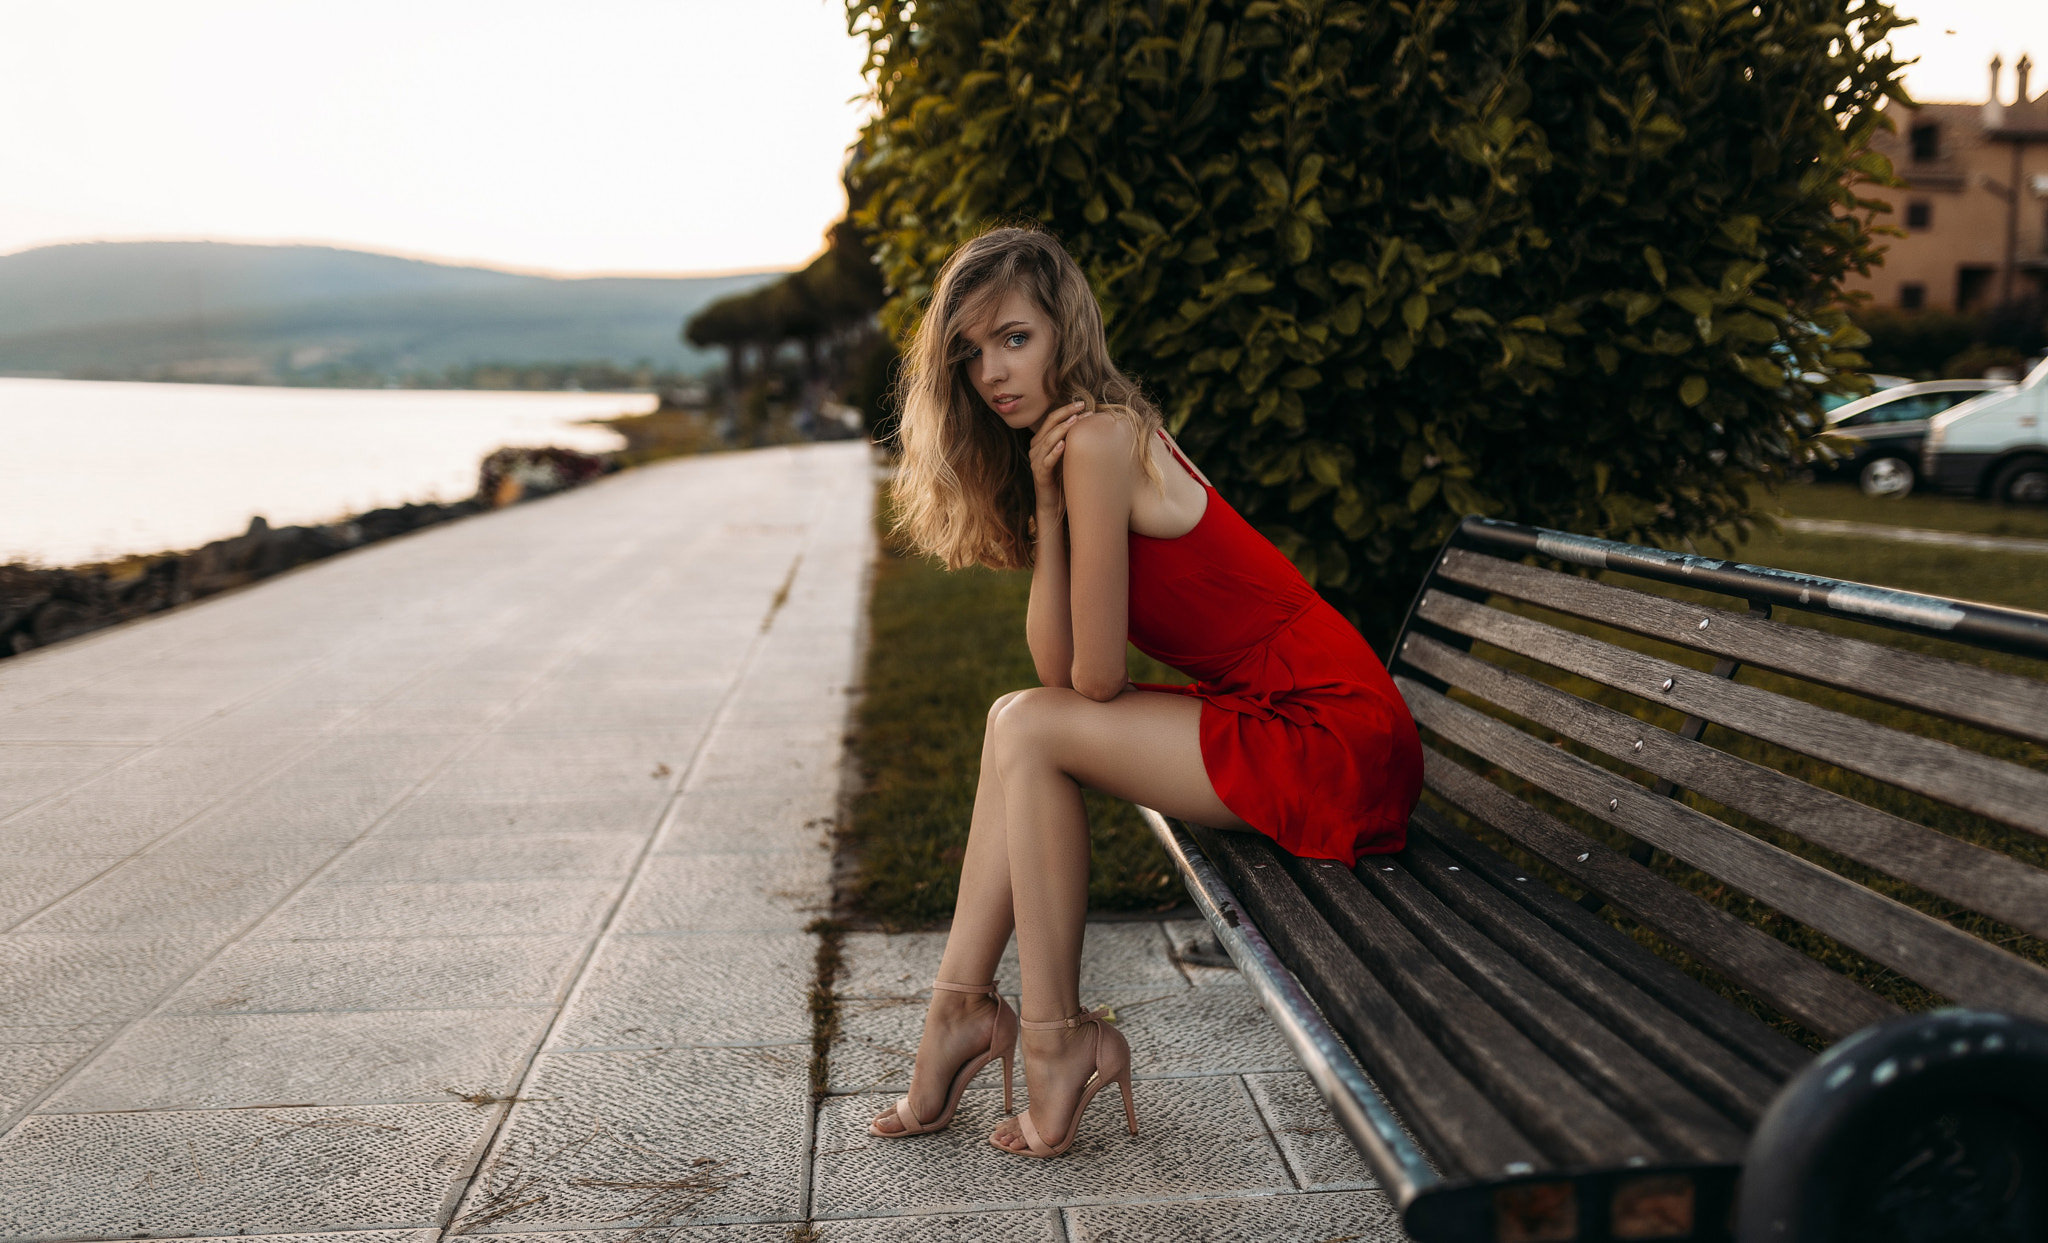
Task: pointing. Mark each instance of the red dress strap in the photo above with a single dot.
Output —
(1185, 464)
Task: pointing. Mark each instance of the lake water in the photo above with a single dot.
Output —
(92, 470)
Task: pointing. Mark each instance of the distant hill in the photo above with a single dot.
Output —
(319, 314)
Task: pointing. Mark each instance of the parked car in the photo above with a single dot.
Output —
(1995, 445)
(1878, 437)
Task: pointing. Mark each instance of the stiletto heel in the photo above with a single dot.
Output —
(1112, 1065)
(1002, 1042)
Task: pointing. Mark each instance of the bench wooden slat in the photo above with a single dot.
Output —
(1574, 1126)
(1945, 960)
(1961, 692)
(1782, 976)
(1706, 1068)
(1456, 1123)
(1980, 879)
(1940, 770)
(1544, 914)
(1660, 1106)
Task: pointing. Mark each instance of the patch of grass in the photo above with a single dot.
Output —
(943, 647)
(828, 965)
(1842, 502)
(663, 433)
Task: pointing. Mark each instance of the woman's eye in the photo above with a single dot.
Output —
(1016, 340)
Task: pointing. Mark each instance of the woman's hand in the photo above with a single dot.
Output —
(1048, 445)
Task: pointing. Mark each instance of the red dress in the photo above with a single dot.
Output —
(1303, 734)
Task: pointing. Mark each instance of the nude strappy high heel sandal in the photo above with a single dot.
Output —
(1112, 1065)
(1002, 1042)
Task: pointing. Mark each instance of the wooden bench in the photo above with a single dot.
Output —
(1583, 1002)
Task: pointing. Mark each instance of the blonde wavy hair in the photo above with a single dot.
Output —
(963, 491)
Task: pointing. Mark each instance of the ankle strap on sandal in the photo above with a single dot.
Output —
(1100, 1014)
(987, 990)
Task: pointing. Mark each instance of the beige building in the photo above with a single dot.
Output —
(1975, 205)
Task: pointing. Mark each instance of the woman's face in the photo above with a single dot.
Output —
(1008, 358)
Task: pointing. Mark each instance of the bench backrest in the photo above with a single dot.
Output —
(1862, 831)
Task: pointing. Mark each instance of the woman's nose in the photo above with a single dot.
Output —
(991, 373)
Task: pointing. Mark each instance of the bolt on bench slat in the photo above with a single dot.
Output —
(1980, 879)
(1780, 975)
(1652, 1102)
(1455, 1120)
(1968, 693)
(1945, 960)
(1939, 770)
(1671, 1039)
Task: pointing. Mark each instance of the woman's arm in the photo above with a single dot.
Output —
(1048, 618)
(1098, 495)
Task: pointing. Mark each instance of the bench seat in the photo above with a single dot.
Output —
(1558, 993)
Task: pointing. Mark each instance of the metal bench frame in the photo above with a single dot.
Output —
(1697, 1199)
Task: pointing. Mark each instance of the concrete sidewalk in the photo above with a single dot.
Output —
(460, 885)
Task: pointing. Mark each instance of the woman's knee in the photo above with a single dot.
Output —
(996, 709)
(1025, 723)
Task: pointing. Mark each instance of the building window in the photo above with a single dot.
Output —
(1920, 215)
(1912, 297)
(1973, 287)
(1926, 142)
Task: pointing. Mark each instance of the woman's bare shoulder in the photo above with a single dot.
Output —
(1099, 433)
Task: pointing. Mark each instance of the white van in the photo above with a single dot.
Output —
(1994, 446)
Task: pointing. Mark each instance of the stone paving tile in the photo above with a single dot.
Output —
(414, 974)
(30, 882)
(353, 1236)
(705, 988)
(559, 779)
(1196, 1136)
(623, 1139)
(240, 1060)
(1029, 1226)
(277, 811)
(89, 824)
(742, 1232)
(105, 1176)
(1179, 932)
(1316, 1149)
(28, 1070)
(1190, 1032)
(505, 817)
(171, 892)
(878, 1043)
(1364, 1216)
(603, 856)
(1121, 963)
(781, 890)
(1203, 1032)
(767, 819)
(59, 979)
(328, 909)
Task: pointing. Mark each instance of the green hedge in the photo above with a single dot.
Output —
(1388, 264)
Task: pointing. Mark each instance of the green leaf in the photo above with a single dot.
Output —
(1415, 311)
(1692, 391)
(1655, 259)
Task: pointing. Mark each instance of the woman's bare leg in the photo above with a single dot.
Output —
(1049, 743)
(957, 1024)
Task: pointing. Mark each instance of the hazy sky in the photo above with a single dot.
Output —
(593, 135)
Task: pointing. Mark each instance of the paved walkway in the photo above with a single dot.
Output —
(459, 885)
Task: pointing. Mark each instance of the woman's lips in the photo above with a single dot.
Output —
(1005, 405)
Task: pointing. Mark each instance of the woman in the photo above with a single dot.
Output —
(1023, 445)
